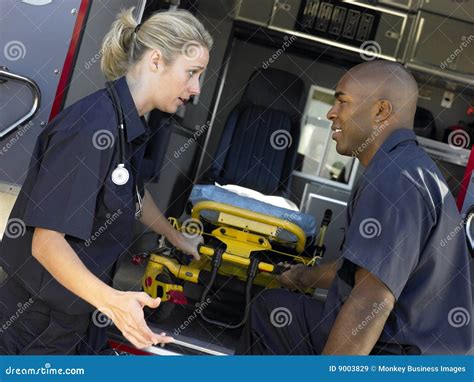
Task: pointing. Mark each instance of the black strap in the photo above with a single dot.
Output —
(120, 119)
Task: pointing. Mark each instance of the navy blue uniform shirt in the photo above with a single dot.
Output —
(69, 189)
(403, 226)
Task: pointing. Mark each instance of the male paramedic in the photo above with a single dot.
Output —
(400, 285)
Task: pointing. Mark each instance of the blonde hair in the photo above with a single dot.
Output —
(172, 32)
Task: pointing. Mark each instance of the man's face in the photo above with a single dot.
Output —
(180, 80)
(352, 116)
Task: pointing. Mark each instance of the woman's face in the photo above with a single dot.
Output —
(179, 80)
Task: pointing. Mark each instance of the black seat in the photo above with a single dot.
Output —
(424, 124)
(259, 143)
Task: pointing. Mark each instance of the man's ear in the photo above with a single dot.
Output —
(384, 110)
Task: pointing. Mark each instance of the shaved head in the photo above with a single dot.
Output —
(372, 100)
(387, 80)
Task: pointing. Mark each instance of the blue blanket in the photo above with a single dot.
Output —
(217, 194)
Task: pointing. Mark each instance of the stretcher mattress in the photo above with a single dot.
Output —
(218, 194)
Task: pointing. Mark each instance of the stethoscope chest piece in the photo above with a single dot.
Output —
(120, 175)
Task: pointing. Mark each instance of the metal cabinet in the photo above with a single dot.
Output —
(443, 44)
(459, 9)
(408, 5)
(257, 12)
(328, 23)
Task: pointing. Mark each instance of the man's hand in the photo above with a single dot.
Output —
(295, 278)
(301, 277)
(125, 309)
(189, 244)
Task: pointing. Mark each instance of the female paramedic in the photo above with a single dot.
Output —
(74, 215)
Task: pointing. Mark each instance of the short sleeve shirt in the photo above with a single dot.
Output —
(69, 189)
(403, 226)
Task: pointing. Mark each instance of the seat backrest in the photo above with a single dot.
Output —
(424, 124)
(259, 143)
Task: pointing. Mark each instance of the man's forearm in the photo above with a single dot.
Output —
(54, 253)
(370, 302)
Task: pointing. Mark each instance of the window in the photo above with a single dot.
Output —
(321, 162)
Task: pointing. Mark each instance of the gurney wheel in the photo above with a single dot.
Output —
(164, 311)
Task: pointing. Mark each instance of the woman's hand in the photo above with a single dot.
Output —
(189, 244)
(125, 309)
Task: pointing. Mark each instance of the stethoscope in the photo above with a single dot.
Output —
(120, 174)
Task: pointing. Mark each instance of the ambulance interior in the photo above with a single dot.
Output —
(257, 136)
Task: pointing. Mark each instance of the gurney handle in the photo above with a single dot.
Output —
(264, 267)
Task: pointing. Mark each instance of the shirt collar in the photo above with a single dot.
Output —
(393, 140)
(134, 125)
(397, 137)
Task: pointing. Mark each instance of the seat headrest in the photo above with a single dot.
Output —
(275, 89)
(423, 118)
